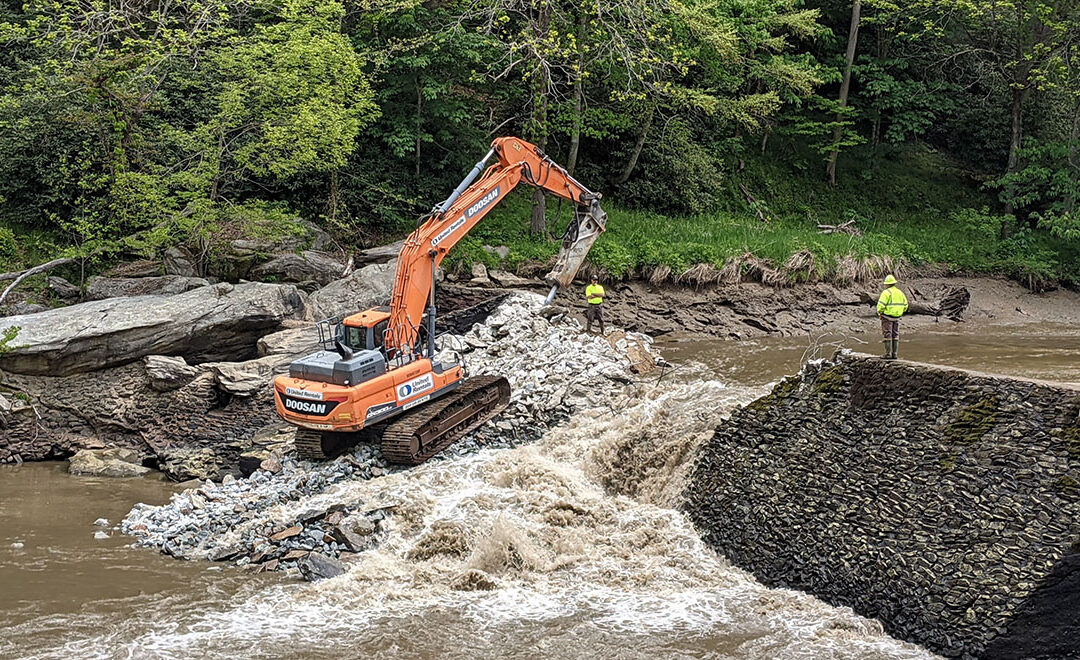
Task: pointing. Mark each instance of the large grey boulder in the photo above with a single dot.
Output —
(317, 566)
(378, 255)
(309, 265)
(290, 341)
(365, 288)
(247, 378)
(62, 288)
(179, 261)
(219, 322)
(102, 288)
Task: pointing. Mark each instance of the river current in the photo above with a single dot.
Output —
(566, 548)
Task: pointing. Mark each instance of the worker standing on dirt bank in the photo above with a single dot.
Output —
(891, 305)
(594, 297)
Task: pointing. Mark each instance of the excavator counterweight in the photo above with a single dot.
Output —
(379, 375)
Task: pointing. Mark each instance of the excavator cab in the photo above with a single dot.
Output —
(366, 331)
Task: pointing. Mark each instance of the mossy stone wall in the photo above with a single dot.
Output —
(943, 502)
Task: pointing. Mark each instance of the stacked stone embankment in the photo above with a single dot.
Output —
(943, 502)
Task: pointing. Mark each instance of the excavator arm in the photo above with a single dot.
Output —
(451, 220)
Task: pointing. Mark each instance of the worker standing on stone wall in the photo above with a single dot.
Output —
(594, 308)
(891, 305)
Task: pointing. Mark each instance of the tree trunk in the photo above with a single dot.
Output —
(538, 122)
(332, 211)
(845, 87)
(419, 120)
(631, 162)
(1074, 154)
(579, 96)
(1016, 138)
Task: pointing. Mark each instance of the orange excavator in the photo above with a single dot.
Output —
(382, 376)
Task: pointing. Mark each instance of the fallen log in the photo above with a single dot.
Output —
(19, 276)
(952, 305)
(843, 228)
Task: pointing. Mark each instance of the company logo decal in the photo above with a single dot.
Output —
(482, 203)
(379, 409)
(307, 394)
(444, 234)
(313, 408)
(415, 386)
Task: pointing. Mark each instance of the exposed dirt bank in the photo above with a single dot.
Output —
(748, 310)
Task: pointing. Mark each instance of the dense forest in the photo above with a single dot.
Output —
(946, 133)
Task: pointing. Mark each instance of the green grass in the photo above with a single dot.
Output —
(914, 209)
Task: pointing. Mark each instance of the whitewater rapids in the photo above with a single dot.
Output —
(567, 547)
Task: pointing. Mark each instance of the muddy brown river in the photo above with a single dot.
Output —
(635, 582)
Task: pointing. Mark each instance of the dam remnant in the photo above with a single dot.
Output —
(945, 503)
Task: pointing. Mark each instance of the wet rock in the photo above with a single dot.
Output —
(101, 522)
(62, 288)
(216, 322)
(183, 463)
(179, 261)
(366, 287)
(921, 495)
(102, 288)
(474, 580)
(107, 463)
(286, 533)
(168, 373)
(100, 535)
(317, 566)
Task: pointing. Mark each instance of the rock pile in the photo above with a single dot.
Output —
(276, 517)
(943, 502)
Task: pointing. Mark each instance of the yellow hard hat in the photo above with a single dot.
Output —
(889, 279)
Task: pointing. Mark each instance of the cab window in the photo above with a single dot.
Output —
(354, 338)
(378, 334)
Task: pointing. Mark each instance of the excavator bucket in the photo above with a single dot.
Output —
(580, 234)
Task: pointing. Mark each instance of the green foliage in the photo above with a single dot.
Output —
(125, 129)
(8, 335)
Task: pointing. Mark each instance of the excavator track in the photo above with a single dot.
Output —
(322, 445)
(416, 436)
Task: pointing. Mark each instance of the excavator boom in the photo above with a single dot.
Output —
(379, 379)
(449, 221)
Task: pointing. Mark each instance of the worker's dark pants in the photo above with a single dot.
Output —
(594, 313)
(890, 327)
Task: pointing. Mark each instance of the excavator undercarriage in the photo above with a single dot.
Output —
(417, 435)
